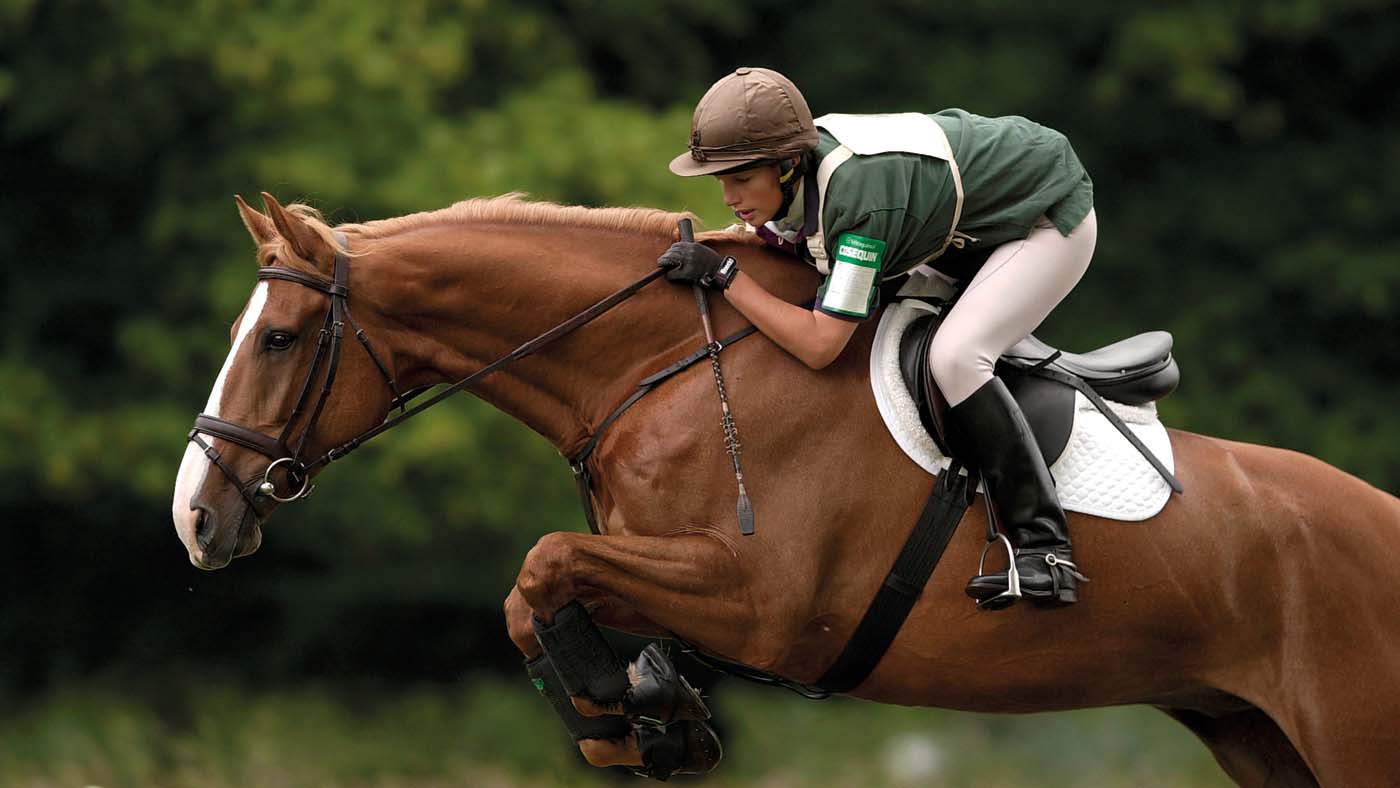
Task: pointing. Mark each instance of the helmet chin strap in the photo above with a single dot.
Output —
(789, 175)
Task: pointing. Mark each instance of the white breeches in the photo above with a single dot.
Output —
(1012, 293)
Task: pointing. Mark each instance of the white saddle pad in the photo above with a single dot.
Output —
(1099, 472)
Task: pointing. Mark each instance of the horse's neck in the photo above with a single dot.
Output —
(459, 297)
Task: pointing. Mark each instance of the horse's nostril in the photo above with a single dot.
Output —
(201, 528)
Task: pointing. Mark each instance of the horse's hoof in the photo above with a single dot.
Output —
(661, 695)
(687, 747)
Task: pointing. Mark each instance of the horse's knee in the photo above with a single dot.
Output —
(519, 625)
(543, 581)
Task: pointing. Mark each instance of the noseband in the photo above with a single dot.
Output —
(328, 346)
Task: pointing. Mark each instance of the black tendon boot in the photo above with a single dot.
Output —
(990, 432)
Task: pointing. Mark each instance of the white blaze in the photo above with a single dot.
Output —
(195, 465)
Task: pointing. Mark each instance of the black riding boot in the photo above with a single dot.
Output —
(989, 431)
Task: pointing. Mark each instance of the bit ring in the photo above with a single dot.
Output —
(269, 489)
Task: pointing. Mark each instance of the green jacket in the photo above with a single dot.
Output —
(892, 210)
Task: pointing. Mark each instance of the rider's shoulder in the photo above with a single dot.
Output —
(998, 130)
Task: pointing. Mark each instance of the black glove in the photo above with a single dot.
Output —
(687, 261)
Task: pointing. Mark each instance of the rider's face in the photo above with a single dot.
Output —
(754, 195)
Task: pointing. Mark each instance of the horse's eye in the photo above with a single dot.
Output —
(280, 340)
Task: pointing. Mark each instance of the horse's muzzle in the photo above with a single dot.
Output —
(215, 546)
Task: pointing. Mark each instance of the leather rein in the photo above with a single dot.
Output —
(329, 343)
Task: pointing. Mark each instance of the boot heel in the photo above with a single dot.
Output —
(1062, 598)
(1064, 575)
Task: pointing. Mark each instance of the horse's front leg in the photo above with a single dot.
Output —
(649, 585)
(520, 622)
(690, 584)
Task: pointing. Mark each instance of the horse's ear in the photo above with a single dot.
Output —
(259, 226)
(306, 242)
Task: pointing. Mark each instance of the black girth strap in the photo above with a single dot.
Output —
(952, 494)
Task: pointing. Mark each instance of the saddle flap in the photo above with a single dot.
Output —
(1047, 405)
(1101, 472)
(913, 365)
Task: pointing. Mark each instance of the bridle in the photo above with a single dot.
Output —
(328, 347)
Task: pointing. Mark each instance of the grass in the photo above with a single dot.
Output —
(493, 733)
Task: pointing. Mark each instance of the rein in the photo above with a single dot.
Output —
(329, 346)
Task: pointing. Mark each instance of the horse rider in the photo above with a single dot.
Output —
(1002, 206)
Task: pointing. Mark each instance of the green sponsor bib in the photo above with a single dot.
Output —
(850, 289)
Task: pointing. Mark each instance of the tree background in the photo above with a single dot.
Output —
(1244, 158)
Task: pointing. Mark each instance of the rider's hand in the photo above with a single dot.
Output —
(690, 262)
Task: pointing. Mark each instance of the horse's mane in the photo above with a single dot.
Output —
(512, 208)
(509, 208)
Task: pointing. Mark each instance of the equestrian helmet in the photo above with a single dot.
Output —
(749, 116)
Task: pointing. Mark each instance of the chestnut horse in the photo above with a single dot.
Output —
(1259, 608)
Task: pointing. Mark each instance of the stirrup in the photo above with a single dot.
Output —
(1012, 593)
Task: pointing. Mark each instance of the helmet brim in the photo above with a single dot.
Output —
(686, 165)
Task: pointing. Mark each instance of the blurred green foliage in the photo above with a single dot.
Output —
(1244, 156)
(489, 733)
